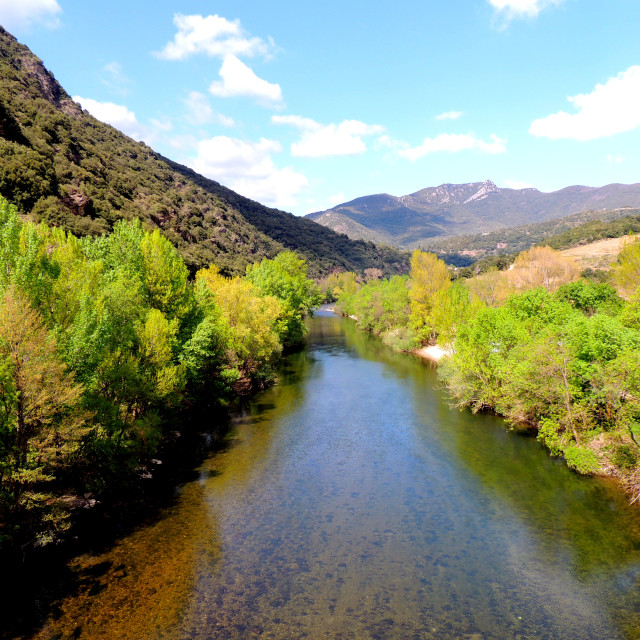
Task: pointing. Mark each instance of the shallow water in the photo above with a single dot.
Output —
(352, 502)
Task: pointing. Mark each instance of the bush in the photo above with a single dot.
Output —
(624, 457)
(581, 460)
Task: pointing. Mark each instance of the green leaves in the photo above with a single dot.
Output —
(285, 278)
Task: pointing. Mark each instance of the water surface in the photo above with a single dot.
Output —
(353, 502)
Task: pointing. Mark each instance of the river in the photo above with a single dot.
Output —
(352, 502)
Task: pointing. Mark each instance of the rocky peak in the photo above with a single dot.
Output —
(483, 192)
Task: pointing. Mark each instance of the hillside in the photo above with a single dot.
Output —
(413, 220)
(600, 254)
(561, 233)
(63, 167)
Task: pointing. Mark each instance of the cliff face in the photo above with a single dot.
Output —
(62, 166)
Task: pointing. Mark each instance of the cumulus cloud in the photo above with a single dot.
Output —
(510, 9)
(19, 15)
(247, 167)
(454, 142)
(117, 116)
(610, 108)
(212, 36)
(320, 140)
(449, 115)
(240, 80)
(199, 111)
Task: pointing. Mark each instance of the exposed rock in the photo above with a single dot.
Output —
(76, 201)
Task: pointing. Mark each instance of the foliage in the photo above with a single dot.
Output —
(429, 276)
(251, 321)
(542, 267)
(104, 342)
(582, 460)
(285, 278)
(626, 272)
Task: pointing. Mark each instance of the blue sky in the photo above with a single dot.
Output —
(305, 105)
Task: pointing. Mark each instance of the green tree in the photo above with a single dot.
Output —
(40, 419)
(285, 277)
(626, 271)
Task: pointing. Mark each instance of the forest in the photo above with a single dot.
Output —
(105, 342)
(538, 344)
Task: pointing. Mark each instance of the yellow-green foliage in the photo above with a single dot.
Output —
(626, 272)
(102, 341)
(251, 317)
(428, 276)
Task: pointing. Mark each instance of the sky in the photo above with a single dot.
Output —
(306, 105)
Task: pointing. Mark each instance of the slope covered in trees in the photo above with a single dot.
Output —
(65, 168)
(104, 343)
(570, 231)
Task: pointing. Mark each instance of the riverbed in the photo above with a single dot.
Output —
(352, 502)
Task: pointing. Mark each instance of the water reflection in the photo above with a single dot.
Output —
(353, 503)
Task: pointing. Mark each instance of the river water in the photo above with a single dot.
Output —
(353, 503)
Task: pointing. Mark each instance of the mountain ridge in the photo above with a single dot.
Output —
(62, 166)
(465, 209)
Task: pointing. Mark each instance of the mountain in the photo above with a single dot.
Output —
(465, 209)
(60, 165)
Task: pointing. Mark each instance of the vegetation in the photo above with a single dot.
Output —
(104, 342)
(63, 167)
(491, 249)
(536, 344)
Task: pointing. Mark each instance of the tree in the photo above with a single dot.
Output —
(40, 419)
(285, 277)
(165, 276)
(626, 271)
(252, 320)
(428, 276)
(542, 267)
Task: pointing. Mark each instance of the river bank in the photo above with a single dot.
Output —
(350, 501)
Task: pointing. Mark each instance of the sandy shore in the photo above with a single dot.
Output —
(433, 352)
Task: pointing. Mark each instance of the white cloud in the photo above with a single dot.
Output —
(318, 140)
(199, 111)
(247, 167)
(454, 142)
(211, 36)
(610, 108)
(239, 80)
(336, 199)
(509, 9)
(17, 15)
(117, 116)
(449, 115)
(387, 142)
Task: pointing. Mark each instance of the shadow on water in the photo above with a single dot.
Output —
(48, 577)
(352, 502)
